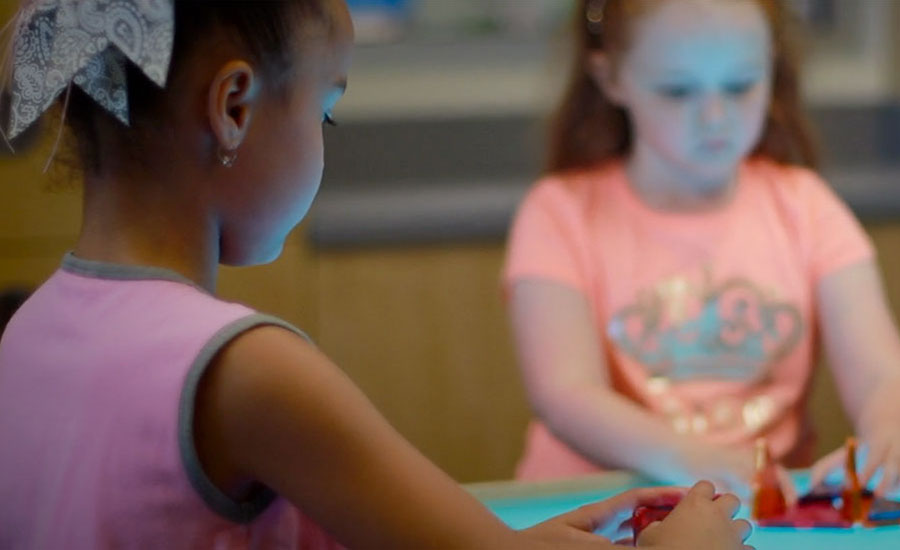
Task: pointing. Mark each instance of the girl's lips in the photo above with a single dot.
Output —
(715, 144)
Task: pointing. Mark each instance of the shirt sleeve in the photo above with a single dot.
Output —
(839, 239)
(548, 239)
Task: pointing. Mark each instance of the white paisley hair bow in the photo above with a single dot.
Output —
(58, 43)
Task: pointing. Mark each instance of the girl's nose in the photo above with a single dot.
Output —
(713, 110)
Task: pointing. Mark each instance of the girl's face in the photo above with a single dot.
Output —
(281, 162)
(696, 84)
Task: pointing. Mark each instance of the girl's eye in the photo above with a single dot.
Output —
(329, 120)
(739, 88)
(675, 92)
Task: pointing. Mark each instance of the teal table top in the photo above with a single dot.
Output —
(522, 505)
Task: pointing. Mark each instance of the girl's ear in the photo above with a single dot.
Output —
(233, 98)
(601, 70)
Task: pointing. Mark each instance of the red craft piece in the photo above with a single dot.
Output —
(644, 515)
(828, 506)
(852, 507)
(768, 498)
(808, 515)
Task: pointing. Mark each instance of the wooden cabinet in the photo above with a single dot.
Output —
(39, 218)
(423, 332)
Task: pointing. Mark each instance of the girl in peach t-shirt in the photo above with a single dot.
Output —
(669, 279)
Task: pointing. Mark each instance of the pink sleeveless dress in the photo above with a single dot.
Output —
(98, 375)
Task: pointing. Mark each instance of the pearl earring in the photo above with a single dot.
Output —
(227, 158)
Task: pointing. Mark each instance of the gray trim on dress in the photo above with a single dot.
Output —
(222, 504)
(120, 272)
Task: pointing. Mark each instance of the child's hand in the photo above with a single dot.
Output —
(879, 449)
(699, 522)
(609, 518)
(883, 454)
(880, 430)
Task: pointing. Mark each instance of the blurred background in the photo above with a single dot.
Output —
(396, 272)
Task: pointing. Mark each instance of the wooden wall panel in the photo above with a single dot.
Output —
(283, 288)
(422, 331)
(39, 219)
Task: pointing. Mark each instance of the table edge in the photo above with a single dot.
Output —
(606, 481)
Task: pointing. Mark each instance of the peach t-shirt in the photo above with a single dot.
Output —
(707, 320)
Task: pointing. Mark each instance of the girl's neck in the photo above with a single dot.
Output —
(145, 223)
(668, 188)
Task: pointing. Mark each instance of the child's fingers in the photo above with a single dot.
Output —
(787, 486)
(878, 454)
(702, 490)
(732, 482)
(743, 528)
(669, 496)
(648, 532)
(827, 464)
(660, 496)
(602, 515)
(720, 485)
(728, 504)
(590, 517)
(890, 478)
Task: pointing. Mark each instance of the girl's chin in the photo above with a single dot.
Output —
(714, 168)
